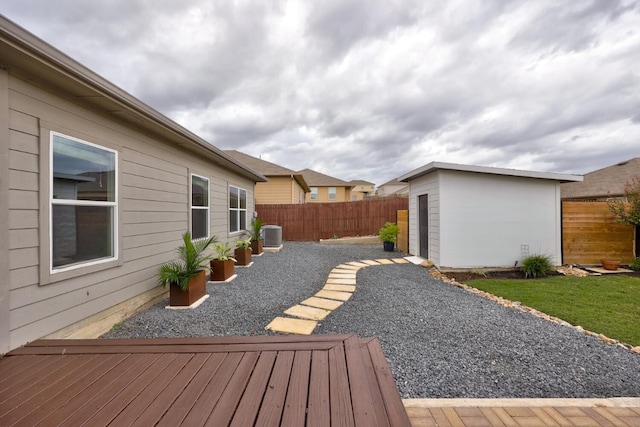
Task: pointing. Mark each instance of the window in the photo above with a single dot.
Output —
(83, 201)
(314, 193)
(332, 193)
(237, 209)
(199, 207)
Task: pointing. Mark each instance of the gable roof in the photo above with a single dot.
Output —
(434, 166)
(394, 181)
(605, 182)
(24, 54)
(267, 168)
(317, 179)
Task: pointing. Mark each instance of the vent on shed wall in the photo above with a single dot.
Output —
(272, 235)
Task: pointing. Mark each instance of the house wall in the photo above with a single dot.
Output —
(279, 190)
(153, 212)
(428, 184)
(343, 194)
(486, 219)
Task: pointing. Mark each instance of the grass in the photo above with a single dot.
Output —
(609, 305)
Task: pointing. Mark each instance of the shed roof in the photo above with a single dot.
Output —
(29, 57)
(605, 182)
(434, 166)
(317, 179)
(267, 168)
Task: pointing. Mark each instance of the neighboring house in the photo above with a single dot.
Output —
(393, 188)
(325, 188)
(361, 189)
(284, 186)
(472, 216)
(96, 189)
(603, 183)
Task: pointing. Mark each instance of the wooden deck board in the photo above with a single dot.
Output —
(267, 380)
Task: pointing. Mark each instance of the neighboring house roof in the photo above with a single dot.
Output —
(394, 181)
(355, 182)
(25, 51)
(434, 166)
(605, 182)
(317, 179)
(267, 168)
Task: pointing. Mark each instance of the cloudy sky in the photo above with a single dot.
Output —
(371, 89)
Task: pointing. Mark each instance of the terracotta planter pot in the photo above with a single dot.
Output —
(243, 256)
(610, 264)
(197, 289)
(256, 247)
(221, 270)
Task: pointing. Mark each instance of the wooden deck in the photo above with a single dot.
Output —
(319, 380)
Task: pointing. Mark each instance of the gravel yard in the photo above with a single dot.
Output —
(440, 340)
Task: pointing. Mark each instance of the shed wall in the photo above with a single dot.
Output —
(428, 184)
(153, 211)
(494, 221)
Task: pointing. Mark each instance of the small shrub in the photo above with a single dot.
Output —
(537, 266)
(389, 232)
(635, 264)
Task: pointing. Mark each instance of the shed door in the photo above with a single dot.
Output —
(423, 225)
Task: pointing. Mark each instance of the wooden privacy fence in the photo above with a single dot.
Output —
(403, 233)
(315, 221)
(590, 233)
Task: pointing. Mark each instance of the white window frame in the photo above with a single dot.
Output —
(332, 196)
(239, 211)
(69, 202)
(313, 192)
(207, 207)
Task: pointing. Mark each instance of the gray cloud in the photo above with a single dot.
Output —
(371, 90)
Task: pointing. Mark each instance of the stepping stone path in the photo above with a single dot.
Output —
(339, 287)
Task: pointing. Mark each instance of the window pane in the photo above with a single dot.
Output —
(82, 171)
(199, 191)
(81, 233)
(199, 224)
(233, 197)
(233, 221)
(243, 220)
(243, 199)
(314, 193)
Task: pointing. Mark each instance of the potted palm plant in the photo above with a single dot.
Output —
(256, 236)
(187, 276)
(243, 252)
(388, 234)
(222, 264)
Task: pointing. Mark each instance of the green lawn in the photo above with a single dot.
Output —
(609, 305)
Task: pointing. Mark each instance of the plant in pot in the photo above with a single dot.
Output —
(388, 234)
(222, 264)
(243, 252)
(187, 276)
(256, 236)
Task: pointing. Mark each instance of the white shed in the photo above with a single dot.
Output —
(463, 216)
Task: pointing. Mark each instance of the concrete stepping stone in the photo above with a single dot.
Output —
(292, 326)
(385, 261)
(348, 267)
(340, 271)
(305, 312)
(400, 261)
(358, 264)
(340, 296)
(342, 276)
(342, 288)
(370, 262)
(327, 304)
(342, 281)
